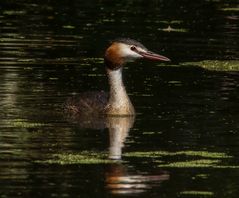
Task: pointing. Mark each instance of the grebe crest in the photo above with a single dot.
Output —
(117, 102)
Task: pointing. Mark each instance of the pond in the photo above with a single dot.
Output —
(184, 139)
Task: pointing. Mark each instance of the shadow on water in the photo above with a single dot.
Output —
(184, 139)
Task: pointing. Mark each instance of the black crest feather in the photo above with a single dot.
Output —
(129, 41)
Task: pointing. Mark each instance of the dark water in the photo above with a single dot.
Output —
(52, 50)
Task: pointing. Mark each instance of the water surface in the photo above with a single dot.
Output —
(183, 141)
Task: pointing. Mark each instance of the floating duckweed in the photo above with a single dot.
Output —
(68, 26)
(21, 123)
(171, 22)
(107, 20)
(14, 12)
(143, 95)
(170, 29)
(227, 65)
(189, 159)
(204, 154)
(26, 60)
(150, 133)
(95, 75)
(202, 176)
(192, 192)
(53, 78)
(229, 9)
(84, 157)
(95, 60)
(150, 154)
(175, 82)
(176, 22)
(204, 163)
(28, 68)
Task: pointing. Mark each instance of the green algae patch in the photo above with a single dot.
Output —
(186, 159)
(21, 123)
(197, 193)
(203, 154)
(84, 157)
(172, 26)
(94, 60)
(14, 12)
(171, 22)
(202, 176)
(236, 9)
(150, 154)
(150, 133)
(203, 163)
(68, 27)
(171, 29)
(218, 65)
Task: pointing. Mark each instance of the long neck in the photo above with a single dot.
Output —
(117, 89)
(119, 102)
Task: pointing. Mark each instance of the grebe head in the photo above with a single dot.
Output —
(126, 50)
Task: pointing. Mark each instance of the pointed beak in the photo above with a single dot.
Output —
(153, 56)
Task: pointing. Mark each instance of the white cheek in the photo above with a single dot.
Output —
(126, 52)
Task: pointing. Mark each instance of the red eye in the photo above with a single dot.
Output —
(133, 48)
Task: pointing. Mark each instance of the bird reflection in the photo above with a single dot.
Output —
(121, 178)
(118, 127)
(118, 131)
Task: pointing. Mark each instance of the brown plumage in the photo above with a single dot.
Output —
(117, 102)
(87, 103)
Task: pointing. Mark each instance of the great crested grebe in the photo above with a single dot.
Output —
(117, 102)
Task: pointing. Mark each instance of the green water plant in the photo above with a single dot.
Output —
(172, 29)
(235, 9)
(203, 163)
(181, 159)
(22, 123)
(185, 159)
(84, 157)
(218, 65)
(196, 193)
(204, 154)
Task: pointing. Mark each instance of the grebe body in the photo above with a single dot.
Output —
(117, 102)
